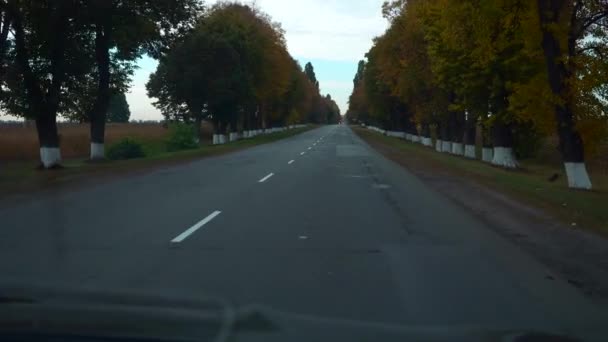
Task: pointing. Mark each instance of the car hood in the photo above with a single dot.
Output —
(81, 314)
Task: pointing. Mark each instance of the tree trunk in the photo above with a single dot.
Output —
(262, 118)
(487, 151)
(410, 130)
(469, 137)
(198, 120)
(438, 133)
(100, 107)
(457, 132)
(223, 128)
(216, 129)
(425, 133)
(233, 134)
(502, 138)
(247, 124)
(48, 137)
(43, 106)
(446, 143)
(5, 22)
(559, 73)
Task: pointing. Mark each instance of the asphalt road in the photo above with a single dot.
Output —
(315, 224)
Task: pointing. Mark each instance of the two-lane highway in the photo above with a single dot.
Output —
(317, 224)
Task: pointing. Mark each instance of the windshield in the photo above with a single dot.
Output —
(416, 170)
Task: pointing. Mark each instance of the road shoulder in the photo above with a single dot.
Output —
(578, 256)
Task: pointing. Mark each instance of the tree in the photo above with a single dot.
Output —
(234, 69)
(131, 28)
(80, 102)
(198, 78)
(48, 56)
(574, 37)
(118, 110)
(360, 73)
(296, 103)
(5, 25)
(520, 68)
(332, 110)
(68, 57)
(309, 70)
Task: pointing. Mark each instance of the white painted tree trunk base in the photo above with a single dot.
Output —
(234, 136)
(446, 146)
(50, 156)
(97, 151)
(438, 145)
(487, 154)
(469, 151)
(457, 149)
(216, 139)
(415, 138)
(504, 157)
(578, 178)
(427, 141)
(222, 139)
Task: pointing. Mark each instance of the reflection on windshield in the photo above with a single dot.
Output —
(338, 170)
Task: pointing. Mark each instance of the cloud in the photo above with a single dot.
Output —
(327, 29)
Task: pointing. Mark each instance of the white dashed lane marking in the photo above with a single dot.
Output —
(266, 178)
(183, 236)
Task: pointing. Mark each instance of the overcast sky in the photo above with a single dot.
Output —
(332, 34)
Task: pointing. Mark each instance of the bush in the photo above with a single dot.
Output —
(182, 137)
(127, 148)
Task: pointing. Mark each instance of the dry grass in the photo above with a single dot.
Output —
(18, 142)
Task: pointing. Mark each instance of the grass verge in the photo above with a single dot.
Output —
(18, 177)
(529, 185)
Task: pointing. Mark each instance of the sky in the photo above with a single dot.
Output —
(331, 34)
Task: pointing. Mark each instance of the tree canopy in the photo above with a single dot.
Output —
(66, 58)
(118, 110)
(227, 63)
(234, 69)
(515, 68)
